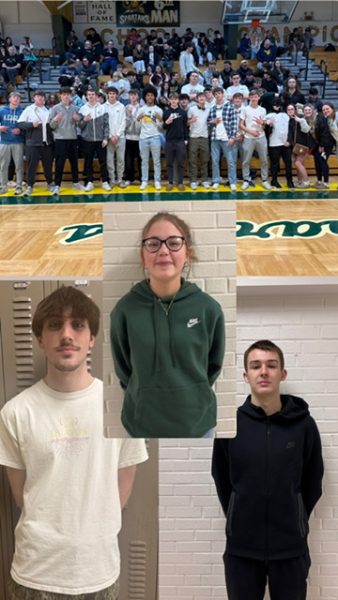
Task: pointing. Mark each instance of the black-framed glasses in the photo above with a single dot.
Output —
(174, 243)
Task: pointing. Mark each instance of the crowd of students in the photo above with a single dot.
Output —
(194, 117)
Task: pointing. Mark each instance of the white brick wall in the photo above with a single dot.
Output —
(213, 227)
(304, 323)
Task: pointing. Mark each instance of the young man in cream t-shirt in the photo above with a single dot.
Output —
(70, 482)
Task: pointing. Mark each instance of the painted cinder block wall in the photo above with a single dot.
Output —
(213, 227)
(304, 322)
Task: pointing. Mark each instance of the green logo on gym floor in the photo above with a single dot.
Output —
(286, 229)
(80, 232)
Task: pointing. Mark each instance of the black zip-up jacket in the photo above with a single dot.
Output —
(268, 480)
(323, 134)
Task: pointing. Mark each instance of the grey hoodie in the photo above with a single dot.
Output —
(65, 129)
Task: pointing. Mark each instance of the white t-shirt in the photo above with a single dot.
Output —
(150, 126)
(249, 116)
(280, 128)
(237, 89)
(200, 127)
(66, 537)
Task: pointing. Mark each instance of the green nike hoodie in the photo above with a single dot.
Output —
(167, 354)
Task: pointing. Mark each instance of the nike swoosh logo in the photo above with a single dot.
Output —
(193, 322)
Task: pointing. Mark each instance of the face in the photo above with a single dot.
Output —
(219, 97)
(209, 95)
(66, 342)
(173, 102)
(133, 98)
(264, 373)
(235, 80)
(193, 78)
(237, 102)
(291, 111)
(292, 83)
(39, 100)
(14, 101)
(164, 265)
(254, 100)
(65, 98)
(112, 97)
(150, 100)
(184, 103)
(308, 111)
(91, 96)
(327, 111)
(201, 100)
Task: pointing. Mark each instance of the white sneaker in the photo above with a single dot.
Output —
(78, 186)
(215, 186)
(144, 185)
(193, 185)
(122, 184)
(267, 185)
(158, 185)
(89, 187)
(56, 190)
(106, 186)
(206, 184)
(245, 185)
(126, 183)
(233, 187)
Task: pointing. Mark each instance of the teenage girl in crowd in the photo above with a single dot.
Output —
(299, 133)
(326, 139)
(167, 340)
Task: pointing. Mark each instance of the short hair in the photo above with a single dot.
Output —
(134, 91)
(65, 90)
(12, 94)
(218, 89)
(238, 95)
(185, 96)
(149, 89)
(57, 302)
(253, 93)
(174, 95)
(267, 346)
(313, 91)
(113, 89)
(39, 93)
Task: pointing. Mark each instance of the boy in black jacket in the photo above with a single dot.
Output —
(268, 480)
(176, 130)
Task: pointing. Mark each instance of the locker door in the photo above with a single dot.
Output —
(139, 534)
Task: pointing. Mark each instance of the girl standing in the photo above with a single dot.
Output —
(167, 340)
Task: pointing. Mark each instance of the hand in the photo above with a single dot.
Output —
(231, 142)
(16, 131)
(76, 117)
(3, 128)
(254, 133)
(259, 121)
(58, 117)
(140, 117)
(114, 139)
(37, 123)
(88, 118)
(170, 120)
(104, 143)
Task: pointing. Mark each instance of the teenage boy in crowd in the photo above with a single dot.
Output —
(268, 480)
(176, 129)
(252, 123)
(223, 121)
(117, 141)
(198, 142)
(150, 118)
(39, 140)
(69, 481)
(94, 127)
(63, 119)
(132, 138)
(11, 142)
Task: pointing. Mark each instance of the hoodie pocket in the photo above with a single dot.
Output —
(302, 517)
(188, 411)
(230, 513)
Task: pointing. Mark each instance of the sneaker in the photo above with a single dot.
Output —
(304, 184)
(193, 185)
(326, 185)
(18, 190)
(169, 187)
(181, 187)
(11, 184)
(121, 184)
(206, 184)
(89, 187)
(215, 186)
(51, 187)
(106, 186)
(276, 184)
(320, 185)
(158, 185)
(245, 185)
(56, 190)
(78, 186)
(127, 183)
(290, 184)
(28, 191)
(267, 185)
(3, 189)
(251, 183)
(144, 185)
(233, 187)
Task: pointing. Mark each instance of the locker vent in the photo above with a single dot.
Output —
(23, 341)
(137, 551)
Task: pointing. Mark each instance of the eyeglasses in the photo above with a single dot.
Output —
(174, 243)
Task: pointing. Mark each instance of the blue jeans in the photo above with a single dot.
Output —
(151, 145)
(218, 147)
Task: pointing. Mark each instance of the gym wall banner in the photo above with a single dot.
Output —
(147, 14)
